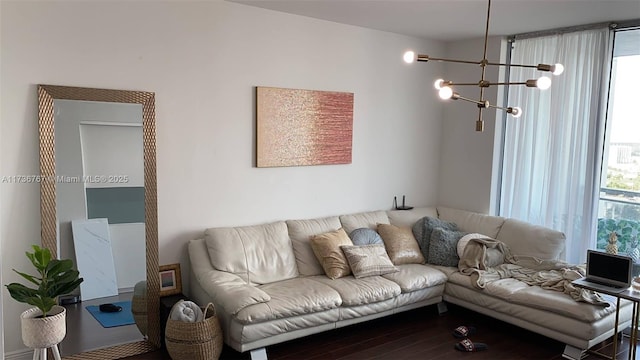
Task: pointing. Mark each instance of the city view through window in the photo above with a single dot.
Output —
(619, 205)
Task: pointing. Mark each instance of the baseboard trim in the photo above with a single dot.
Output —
(26, 354)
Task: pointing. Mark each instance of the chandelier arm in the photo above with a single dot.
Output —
(428, 58)
(462, 84)
(477, 102)
(509, 83)
(497, 107)
(540, 67)
(489, 83)
(514, 65)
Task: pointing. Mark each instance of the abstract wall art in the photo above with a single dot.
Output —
(303, 127)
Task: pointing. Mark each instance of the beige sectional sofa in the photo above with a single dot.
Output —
(268, 286)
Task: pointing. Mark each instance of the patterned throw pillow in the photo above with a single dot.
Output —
(423, 228)
(368, 260)
(443, 247)
(400, 244)
(365, 236)
(326, 247)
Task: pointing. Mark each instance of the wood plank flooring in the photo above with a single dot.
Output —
(85, 333)
(416, 334)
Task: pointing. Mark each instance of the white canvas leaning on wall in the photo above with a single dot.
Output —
(94, 256)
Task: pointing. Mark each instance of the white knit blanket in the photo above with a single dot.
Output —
(486, 260)
(186, 311)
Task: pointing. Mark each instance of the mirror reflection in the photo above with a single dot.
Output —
(100, 209)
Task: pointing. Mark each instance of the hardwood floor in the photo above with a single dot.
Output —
(85, 333)
(416, 334)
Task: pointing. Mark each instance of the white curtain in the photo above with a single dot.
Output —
(552, 154)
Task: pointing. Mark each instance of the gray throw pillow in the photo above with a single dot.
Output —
(365, 236)
(423, 228)
(443, 247)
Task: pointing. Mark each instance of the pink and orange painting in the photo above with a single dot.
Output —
(303, 127)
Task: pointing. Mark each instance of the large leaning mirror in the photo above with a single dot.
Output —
(99, 208)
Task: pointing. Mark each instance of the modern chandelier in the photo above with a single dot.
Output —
(446, 87)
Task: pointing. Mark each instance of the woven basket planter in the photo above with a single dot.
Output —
(139, 311)
(41, 333)
(195, 341)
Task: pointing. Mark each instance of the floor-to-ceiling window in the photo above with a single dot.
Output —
(572, 161)
(551, 161)
(619, 200)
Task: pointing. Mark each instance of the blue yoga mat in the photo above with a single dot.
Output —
(108, 320)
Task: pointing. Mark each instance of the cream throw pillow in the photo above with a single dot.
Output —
(368, 260)
(326, 247)
(401, 245)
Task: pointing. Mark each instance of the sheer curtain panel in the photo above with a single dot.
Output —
(552, 154)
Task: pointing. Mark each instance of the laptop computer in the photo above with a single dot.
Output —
(607, 272)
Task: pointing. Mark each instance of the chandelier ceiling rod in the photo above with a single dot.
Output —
(445, 87)
(483, 64)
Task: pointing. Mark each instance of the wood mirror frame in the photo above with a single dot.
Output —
(46, 95)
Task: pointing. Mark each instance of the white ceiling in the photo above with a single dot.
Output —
(457, 19)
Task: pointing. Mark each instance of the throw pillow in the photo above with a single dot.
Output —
(365, 236)
(326, 247)
(368, 260)
(401, 246)
(423, 228)
(443, 248)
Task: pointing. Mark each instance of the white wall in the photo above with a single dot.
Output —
(203, 61)
(466, 162)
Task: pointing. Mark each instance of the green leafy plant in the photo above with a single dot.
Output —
(55, 277)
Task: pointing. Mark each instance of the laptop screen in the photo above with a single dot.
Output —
(609, 268)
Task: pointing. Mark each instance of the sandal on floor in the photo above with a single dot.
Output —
(462, 332)
(467, 345)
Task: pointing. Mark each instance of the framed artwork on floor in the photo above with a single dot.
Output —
(170, 280)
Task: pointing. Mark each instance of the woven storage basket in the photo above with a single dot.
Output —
(139, 311)
(195, 341)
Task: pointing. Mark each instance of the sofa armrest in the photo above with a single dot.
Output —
(230, 292)
(227, 290)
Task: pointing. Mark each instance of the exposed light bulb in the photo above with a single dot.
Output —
(557, 69)
(515, 111)
(445, 93)
(409, 57)
(438, 84)
(543, 83)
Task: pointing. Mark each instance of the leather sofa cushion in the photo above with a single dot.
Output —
(472, 222)
(540, 298)
(369, 220)
(301, 232)
(293, 297)
(259, 254)
(413, 277)
(532, 240)
(515, 291)
(355, 292)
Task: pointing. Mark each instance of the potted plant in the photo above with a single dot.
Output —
(44, 325)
